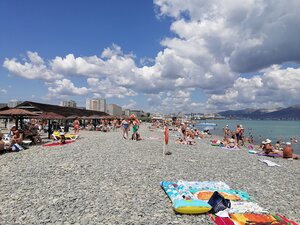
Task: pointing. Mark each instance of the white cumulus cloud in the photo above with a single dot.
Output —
(34, 68)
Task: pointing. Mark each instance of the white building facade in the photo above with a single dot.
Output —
(114, 110)
(98, 104)
(69, 103)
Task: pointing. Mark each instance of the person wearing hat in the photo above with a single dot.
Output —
(268, 148)
(288, 151)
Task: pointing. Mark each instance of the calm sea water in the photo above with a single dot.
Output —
(262, 129)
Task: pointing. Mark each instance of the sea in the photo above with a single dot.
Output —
(276, 130)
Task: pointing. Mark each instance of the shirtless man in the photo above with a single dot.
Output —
(288, 151)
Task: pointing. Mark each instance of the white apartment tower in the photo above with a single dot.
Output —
(69, 103)
(96, 104)
(114, 110)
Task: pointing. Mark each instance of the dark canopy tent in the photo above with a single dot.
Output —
(17, 114)
(50, 116)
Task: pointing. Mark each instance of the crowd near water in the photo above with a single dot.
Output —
(109, 171)
(260, 130)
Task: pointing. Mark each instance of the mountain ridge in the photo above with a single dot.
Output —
(288, 113)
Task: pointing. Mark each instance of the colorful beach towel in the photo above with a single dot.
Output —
(269, 155)
(252, 219)
(58, 143)
(183, 201)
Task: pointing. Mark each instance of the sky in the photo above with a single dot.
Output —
(164, 56)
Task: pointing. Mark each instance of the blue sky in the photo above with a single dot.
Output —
(160, 56)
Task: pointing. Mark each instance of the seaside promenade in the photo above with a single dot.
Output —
(104, 179)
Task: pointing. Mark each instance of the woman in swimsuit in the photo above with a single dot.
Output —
(76, 126)
(125, 128)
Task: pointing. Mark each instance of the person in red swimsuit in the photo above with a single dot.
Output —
(76, 126)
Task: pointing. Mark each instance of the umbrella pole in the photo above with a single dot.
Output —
(17, 122)
(49, 129)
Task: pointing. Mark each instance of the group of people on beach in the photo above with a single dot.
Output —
(14, 139)
(287, 151)
(126, 123)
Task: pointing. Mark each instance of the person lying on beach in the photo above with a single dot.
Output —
(288, 152)
(268, 148)
(231, 144)
(183, 142)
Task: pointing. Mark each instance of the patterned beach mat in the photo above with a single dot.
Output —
(252, 219)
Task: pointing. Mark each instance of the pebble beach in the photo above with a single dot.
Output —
(104, 179)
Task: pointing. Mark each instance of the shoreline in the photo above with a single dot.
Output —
(103, 179)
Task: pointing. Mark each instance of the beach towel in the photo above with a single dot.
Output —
(268, 162)
(252, 219)
(58, 143)
(269, 155)
(238, 207)
(206, 195)
(226, 148)
(183, 201)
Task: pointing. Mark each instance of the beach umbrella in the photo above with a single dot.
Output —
(72, 117)
(17, 114)
(50, 116)
(94, 117)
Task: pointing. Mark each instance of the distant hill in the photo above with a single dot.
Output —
(290, 113)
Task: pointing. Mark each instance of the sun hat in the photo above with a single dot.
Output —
(268, 141)
(288, 143)
(263, 142)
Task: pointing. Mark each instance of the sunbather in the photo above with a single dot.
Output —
(288, 152)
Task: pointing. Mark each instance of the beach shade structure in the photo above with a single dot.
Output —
(94, 117)
(107, 117)
(72, 117)
(85, 118)
(50, 116)
(17, 114)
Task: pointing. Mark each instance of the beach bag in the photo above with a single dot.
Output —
(218, 202)
(17, 148)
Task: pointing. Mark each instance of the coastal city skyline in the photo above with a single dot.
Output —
(161, 56)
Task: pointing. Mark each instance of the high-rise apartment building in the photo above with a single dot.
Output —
(114, 110)
(96, 104)
(69, 103)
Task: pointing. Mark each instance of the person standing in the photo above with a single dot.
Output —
(76, 125)
(135, 128)
(125, 127)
